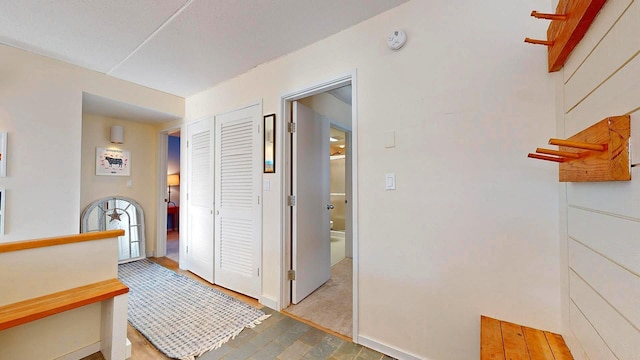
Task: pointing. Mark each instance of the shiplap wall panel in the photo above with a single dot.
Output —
(616, 48)
(614, 237)
(620, 336)
(591, 342)
(621, 198)
(602, 79)
(618, 96)
(609, 14)
(598, 271)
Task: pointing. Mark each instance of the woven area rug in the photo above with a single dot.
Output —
(179, 316)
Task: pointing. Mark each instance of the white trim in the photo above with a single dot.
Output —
(90, 350)
(350, 78)
(161, 214)
(269, 302)
(387, 350)
(82, 352)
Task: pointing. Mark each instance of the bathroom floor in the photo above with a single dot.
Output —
(331, 305)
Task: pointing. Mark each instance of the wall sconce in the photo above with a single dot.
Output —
(117, 134)
(172, 180)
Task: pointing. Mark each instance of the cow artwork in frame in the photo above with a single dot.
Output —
(113, 162)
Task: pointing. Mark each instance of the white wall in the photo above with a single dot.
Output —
(141, 140)
(41, 108)
(601, 307)
(473, 225)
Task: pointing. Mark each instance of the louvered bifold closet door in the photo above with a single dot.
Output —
(238, 216)
(200, 259)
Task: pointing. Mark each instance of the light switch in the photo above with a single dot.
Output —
(266, 185)
(129, 183)
(390, 139)
(390, 181)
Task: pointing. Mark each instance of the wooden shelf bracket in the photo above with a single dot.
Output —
(597, 153)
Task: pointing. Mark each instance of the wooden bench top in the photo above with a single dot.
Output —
(502, 340)
(60, 240)
(37, 308)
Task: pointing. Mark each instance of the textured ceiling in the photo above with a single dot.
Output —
(177, 46)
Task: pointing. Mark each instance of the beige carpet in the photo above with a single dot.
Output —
(331, 306)
(173, 246)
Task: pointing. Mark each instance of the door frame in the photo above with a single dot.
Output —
(286, 184)
(161, 214)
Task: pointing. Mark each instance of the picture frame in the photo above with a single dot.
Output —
(113, 162)
(269, 143)
(3, 154)
(3, 195)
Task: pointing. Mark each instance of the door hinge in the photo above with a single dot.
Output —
(291, 200)
(291, 275)
(258, 200)
(258, 272)
(291, 127)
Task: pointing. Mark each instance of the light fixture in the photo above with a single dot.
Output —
(332, 139)
(117, 134)
(172, 180)
(341, 146)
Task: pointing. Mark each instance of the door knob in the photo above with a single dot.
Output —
(330, 206)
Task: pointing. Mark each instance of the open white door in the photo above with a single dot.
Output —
(238, 210)
(200, 199)
(311, 231)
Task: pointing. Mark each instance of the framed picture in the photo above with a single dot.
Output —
(3, 194)
(114, 162)
(3, 154)
(270, 143)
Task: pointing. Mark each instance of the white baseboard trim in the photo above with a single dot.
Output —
(269, 302)
(385, 349)
(128, 349)
(150, 254)
(82, 352)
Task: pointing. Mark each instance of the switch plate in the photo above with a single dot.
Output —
(390, 139)
(266, 186)
(129, 183)
(390, 181)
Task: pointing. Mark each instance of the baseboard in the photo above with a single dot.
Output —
(150, 254)
(385, 349)
(269, 302)
(127, 352)
(81, 353)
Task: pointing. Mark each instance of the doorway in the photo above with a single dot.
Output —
(173, 196)
(321, 241)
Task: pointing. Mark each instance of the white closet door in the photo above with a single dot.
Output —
(238, 209)
(200, 199)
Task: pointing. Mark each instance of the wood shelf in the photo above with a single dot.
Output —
(597, 153)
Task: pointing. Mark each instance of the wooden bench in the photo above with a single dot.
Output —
(502, 340)
(37, 308)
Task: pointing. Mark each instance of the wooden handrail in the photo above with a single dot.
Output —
(61, 240)
(37, 308)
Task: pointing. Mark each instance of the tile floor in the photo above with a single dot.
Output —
(284, 338)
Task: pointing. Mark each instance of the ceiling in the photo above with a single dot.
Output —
(177, 46)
